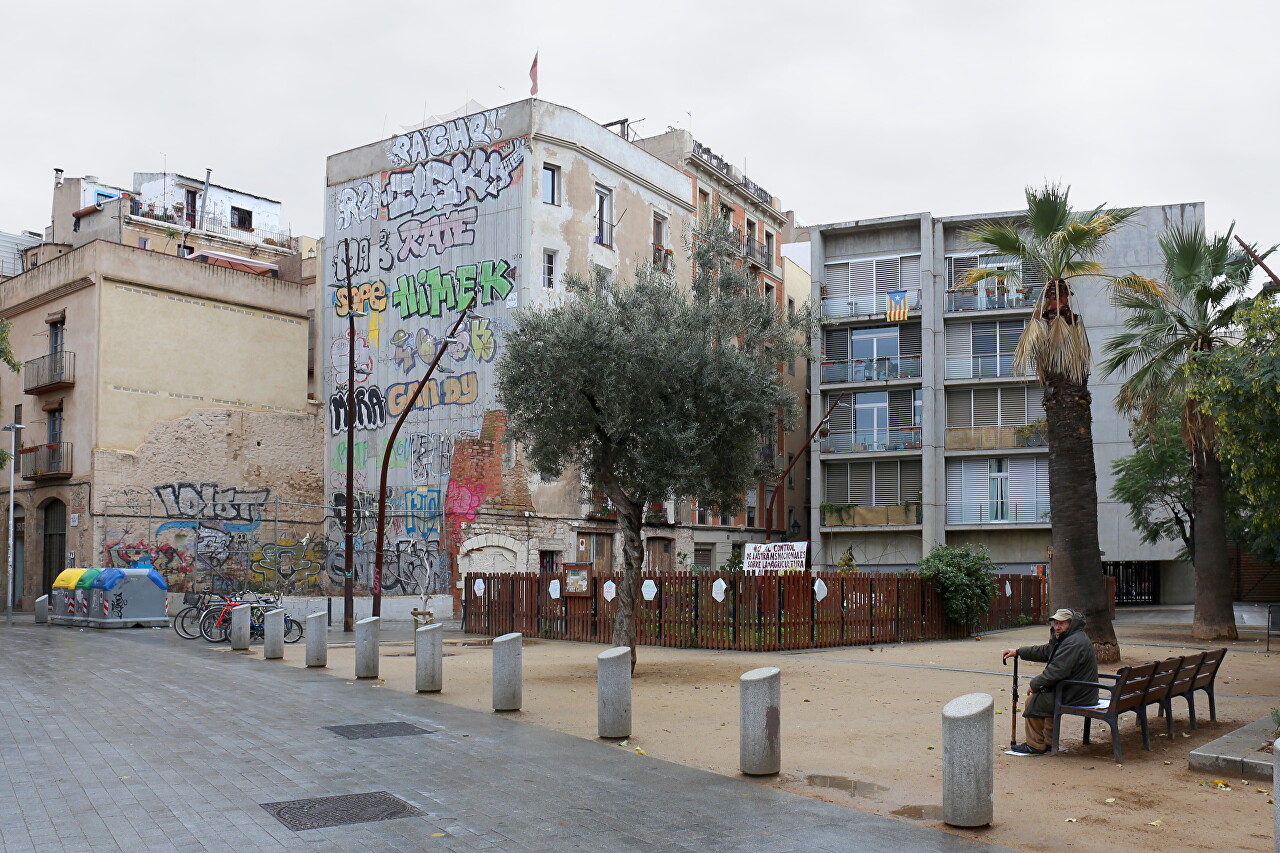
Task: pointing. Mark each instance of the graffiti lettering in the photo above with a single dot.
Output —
(368, 296)
(368, 404)
(475, 340)
(441, 184)
(356, 204)
(431, 455)
(191, 503)
(293, 563)
(339, 361)
(429, 292)
(442, 139)
(164, 557)
(386, 260)
(350, 259)
(450, 391)
(437, 234)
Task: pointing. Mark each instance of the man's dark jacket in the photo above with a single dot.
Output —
(1067, 658)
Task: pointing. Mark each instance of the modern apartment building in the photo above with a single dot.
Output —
(932, 438)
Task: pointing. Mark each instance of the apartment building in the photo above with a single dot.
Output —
(163, 395)
(931, 437)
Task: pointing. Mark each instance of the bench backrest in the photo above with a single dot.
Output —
(1162, 680)
(1209, 669)
(1131, 686)
(1186, 674)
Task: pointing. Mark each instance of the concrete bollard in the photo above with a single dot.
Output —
(367, 647)
(42, 610)
(428, 654)
(507, 672)
(240, 627)
(760, 721)
(613, 692)
(317, 639)
(968, 760)
(273, 635)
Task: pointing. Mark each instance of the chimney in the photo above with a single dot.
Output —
(57, 177)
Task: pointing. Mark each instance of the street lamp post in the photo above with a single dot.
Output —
(768, 525)
(348, 584)
(12, 429)
(386, 460)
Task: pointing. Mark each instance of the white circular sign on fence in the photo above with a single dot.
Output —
(718, 588)
(649, 589)
(478, 586)
(609, 590)
(1008, 589)
(553, 588)
(819, 590)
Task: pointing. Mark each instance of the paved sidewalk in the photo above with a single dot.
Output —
(137, 740)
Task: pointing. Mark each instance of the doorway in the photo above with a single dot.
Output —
(19, 557)
(55, 542)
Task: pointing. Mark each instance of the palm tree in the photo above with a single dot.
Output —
(1064, 244)
(1187, 314)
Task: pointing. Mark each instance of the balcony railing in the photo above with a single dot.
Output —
(848, 515)
(758, 252)
(214, 225)
(998, 512)
(49, 372)
(980, 366)
(46, 460)
(905, 438)
(663, 259)
(995, 437)
(992, 300)
(857, 306)
(872, 369)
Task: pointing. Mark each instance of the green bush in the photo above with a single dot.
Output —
(964, 577)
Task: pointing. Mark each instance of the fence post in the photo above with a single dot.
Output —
(661, 596)
(871, 610)
(733, 611)
(898, 607)
(697, 633)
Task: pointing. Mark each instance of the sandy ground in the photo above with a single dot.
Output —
(862, 728)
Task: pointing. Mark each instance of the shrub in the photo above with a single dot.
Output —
(964, 577)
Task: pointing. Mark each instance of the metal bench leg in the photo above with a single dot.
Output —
(1088, 721)
(1166, 708)
(1191, 707)
(1146, 730)
(1057, 730)
(1213, 708)
(1115, 739)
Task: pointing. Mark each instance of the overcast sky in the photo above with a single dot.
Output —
(844, 110)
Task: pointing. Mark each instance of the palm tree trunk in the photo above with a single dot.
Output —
(1214, 615)
(1076, 569)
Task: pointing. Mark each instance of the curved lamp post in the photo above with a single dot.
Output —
(12, 429)
(773, 498)
(348, 583)
(386, 459)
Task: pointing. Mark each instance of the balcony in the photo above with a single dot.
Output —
(871, 369)
(46, 461)
(213, 225)
(992, 300)
(980, 366)
(905, 438)
(998, 512)
(49, 372)
(996, 437)
(836, 307)
(850, 515)
(758, 253)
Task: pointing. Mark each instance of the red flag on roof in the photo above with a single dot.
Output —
(533, 75)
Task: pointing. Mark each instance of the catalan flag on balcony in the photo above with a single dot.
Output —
(896, 306)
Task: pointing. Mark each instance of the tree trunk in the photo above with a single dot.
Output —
(630, 517)
(1076, 575)
(1215, 617)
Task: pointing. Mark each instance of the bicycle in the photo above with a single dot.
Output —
(215, 623)
(186, 624)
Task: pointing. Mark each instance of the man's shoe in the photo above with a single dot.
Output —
(1024, 749)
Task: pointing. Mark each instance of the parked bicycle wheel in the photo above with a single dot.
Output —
(213, 630)
(187, 623)
(292, 630)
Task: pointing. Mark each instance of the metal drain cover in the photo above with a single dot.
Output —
(361, 731)
(319, 812)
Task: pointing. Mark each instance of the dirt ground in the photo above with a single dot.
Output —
(862, 728)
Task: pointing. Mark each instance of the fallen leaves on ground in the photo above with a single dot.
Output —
(1156, 823)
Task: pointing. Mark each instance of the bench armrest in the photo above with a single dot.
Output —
(1108, 675)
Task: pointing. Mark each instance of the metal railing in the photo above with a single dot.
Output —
(55, 370)
(758, 252)
(998, 512)
(848, 515)
(995, 437)
(872, 369)
(992, 300)
(904, 438)
(979, 366)
(215, 225)
(46, 460)
(856, 306)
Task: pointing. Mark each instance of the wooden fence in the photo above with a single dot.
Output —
(713, 610)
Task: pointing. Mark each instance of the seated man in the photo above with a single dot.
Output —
(1067, 656)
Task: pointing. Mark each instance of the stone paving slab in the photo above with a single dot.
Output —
(140, 741)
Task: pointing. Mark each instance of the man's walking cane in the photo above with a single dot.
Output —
(1013, 722)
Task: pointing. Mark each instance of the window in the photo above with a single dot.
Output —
(704, 556)
(982, 349)
(751, 508)
(1002, 489)
(548, 269)
(55, 426)
(548, 561)
(701, 516)
(875, 420)
(659, 230)
(99, 197)
(17, 419)
(604, 216)
(726, 520)
(704, 205)
(726, 213)
(242, 219)
(144, 243)
(852, 288)
(768, 246)
(882, 483)
(791, 308)
(57, 335)
(871, 353)
(550, 184)
(751, 229)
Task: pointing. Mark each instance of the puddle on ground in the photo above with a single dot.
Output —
(919, 812)
(856, 787)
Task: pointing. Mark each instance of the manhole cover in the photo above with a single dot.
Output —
(319, 812)
(362, 731)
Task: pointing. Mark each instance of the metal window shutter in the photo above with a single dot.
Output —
(959, 351)
(835, 345)
(984, 339)
(836, 279)
(986, 407)
(841, 419)
(909, 274)
(909, 339)
(1022, 479)
(1010, 331)
(1042, 478)
(860, 484)
(703, 556)
(1032, 274)
(958, 268)
(835, 477)
(862, 280)
(1013, 406)
(959, 408)
(1035, 403)
(888, 274)
(901, 408)
(910, 475)
(886, 483)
